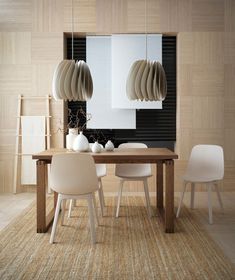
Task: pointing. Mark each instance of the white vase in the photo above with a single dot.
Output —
(81, 143)
(73, 133)
(96, 147)
(109, 146)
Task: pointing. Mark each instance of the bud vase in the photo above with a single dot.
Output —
(73, 133)
(109, 146)
(81, 143)
(96, 147)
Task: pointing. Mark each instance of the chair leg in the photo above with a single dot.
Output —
(209, 204)
(102, 192)
(101, 199)
(219, 196)
(71, 202)
(146, 190)
(181, 199)
(57, 211)
(192, 195)
(95, 209)
(119, 196)
(63, 211)
(91, 218)
(101, 203)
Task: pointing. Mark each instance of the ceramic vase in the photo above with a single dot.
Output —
(109, 146)
(81, 143)
(96, 147)
(73, 133)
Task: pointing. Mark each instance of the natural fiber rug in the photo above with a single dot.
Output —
(130, 247)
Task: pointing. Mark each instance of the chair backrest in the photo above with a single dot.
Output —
(73, 174)
(133, 170)
(206, 163)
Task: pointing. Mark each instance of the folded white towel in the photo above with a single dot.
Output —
(33, 130)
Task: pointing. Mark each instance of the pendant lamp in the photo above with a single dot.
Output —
(146, 80)
(72, 80)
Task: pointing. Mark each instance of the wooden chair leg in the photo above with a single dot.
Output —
(210, 204)
(146, 190)
(95, 209)
(102, 192)
(101, 197)
(63, 211)
(57, 211)
(101, 202)
(91, 218)
(119, 196)
(219, 196)
(192, 195)
(181, 199)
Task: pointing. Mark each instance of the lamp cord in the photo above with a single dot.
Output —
(72, 29)
(145, 23)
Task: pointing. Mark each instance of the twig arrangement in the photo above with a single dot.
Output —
(75, 120)
(78, 120)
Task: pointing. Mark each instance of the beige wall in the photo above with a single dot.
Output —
(31, 43)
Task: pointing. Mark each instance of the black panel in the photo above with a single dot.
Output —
(156, 128)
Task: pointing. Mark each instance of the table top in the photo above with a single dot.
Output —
(130, 155)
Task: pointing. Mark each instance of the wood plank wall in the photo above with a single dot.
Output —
(31, 44)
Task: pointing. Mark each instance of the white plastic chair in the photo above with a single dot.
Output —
(101, 171)
(133, 172)
(73, 176)
(206, 165)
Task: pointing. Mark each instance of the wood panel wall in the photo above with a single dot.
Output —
(31, 44)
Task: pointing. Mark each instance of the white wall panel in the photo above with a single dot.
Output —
(125, 50)
(103, 115)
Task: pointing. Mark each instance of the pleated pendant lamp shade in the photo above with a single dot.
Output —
(146, 81)
(72, 81)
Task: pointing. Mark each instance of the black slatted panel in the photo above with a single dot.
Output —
(79, 48)
(155, 127)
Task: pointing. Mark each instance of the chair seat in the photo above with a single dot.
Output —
(199, 180)
(130, 177)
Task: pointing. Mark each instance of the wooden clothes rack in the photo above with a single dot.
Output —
(21, 98)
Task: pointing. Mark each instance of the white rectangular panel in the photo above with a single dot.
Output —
(103, 115)
(125, 50)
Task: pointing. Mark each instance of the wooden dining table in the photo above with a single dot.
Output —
(158, 156)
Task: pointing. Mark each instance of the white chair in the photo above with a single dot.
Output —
(206, 165)
(133, 172)
(101, 171)
(73, 176)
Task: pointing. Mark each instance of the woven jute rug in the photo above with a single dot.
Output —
(129, 247)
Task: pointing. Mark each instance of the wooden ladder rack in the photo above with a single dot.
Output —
(21, 98)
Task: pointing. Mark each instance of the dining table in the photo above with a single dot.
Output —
(162, 157)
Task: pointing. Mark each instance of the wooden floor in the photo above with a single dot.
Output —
(222, 231)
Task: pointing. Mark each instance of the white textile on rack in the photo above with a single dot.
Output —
(33, 130)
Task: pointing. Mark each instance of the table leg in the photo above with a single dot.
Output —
(41, 196)
(159, 181)
(43, 220)
(169, 196)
